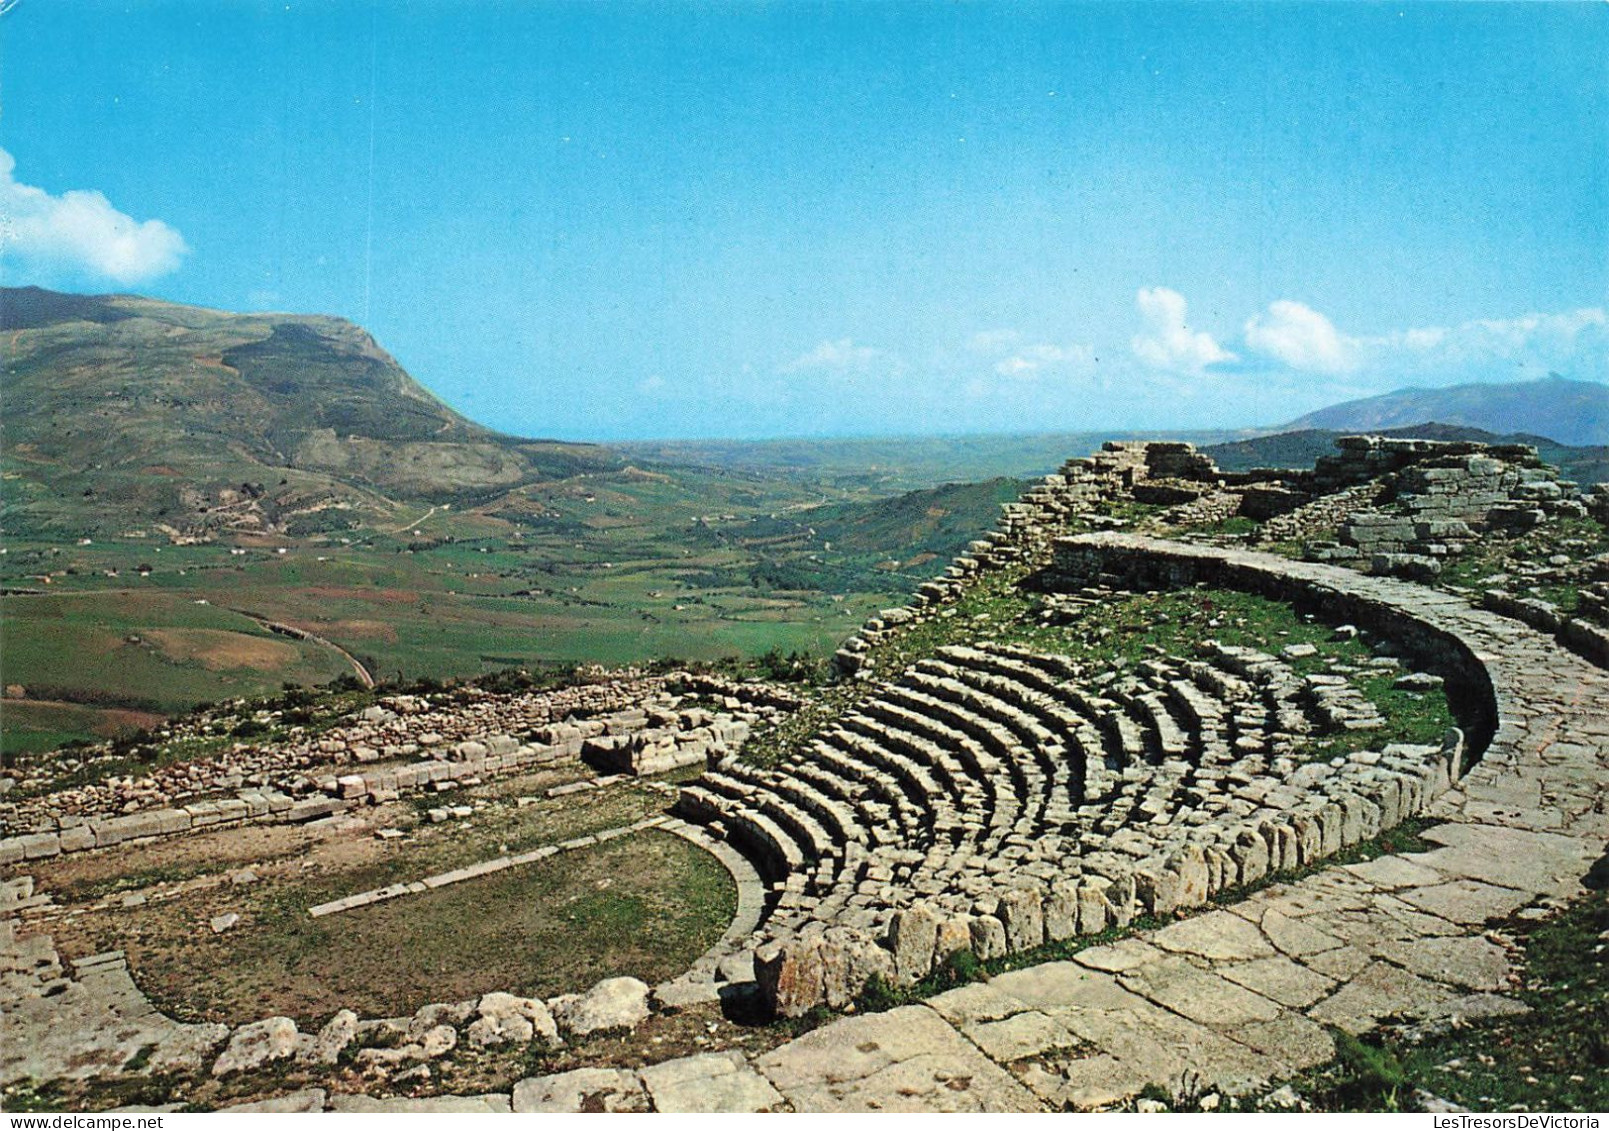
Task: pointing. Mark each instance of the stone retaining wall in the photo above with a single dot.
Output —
(1587, 640)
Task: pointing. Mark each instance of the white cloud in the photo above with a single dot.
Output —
(1572, 339)
(838, 354)
(80, 232)
(1169, 343)
(1034, 358)
(1301, 337)
(1575, 342)
(993, 341)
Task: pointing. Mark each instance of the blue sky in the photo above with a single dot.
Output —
(602, 221)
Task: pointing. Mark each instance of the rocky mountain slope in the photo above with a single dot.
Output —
(1566, 411)
(124, 411)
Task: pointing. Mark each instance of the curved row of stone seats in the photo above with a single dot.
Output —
(891, 811)
(1060, 727)
(880, 732)
(993, 765)
(771, 798)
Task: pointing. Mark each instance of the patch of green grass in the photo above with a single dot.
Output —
(87, 891)
(1235, 526)
(644, 905)
(1578, 538)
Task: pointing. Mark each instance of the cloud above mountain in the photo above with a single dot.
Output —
(80, 234)
(1294, 336)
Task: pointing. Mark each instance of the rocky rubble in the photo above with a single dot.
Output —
(403, 744)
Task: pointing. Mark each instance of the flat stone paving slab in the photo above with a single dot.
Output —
(1379, 990)
(1289, 935)
(907, 1059)
(1019, 1036)
(1468, 961)
(1511, 858)
(428, 1105)
(306, 1100)
(709, 1082)
(1279, 979)
(1290, 1039)
(979, 1001)
(1201, 995)
(1217, 935)
(1082, 1082)
(1470, 902)
(1062, 985)
(584, 1089)
(1396, 872)
(1125, 954)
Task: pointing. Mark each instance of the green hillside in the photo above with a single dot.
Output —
(178, 481)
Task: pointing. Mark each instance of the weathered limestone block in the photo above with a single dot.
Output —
(299, 1102)
(581, 1090)
(1309, 839)
(988, 937)
(438, 1041)
(1061, 911)
(257, 1044)
(613, 1004)
(1251, 856)
(188, 1049)
(1022, 914)
(77, 839)
(38, 846)
(503, 1019)
(851, 959)
(913, 938)
(429, 1017)
(332, 1040)
(954, 935)
(1094, 910)
(789, 975)
(709, 1082)
(1157, 889)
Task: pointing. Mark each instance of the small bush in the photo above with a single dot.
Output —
(879, 995)
(1372, 1076)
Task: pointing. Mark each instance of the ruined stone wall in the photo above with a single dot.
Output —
(1435, 499)
(407, 744)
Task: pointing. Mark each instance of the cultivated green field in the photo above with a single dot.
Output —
(618, 569)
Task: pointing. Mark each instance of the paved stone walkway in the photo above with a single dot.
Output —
(1230, 997)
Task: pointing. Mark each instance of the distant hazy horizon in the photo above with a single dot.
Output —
(623, 222)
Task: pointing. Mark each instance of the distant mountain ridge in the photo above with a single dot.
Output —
(1564, 410)
(1299, 449)
(121, 410)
